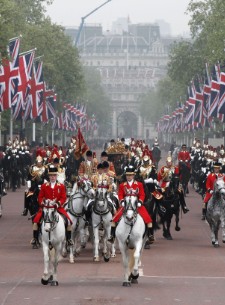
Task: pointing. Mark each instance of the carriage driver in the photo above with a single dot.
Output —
(128, 185)
(164, 177)
(210, 184)
(52, 190)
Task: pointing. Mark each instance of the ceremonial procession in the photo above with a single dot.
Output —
(112, 152)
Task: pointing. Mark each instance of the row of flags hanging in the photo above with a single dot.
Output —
(205, 101)
(24, 91)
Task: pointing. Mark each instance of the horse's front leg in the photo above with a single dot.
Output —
(45, 277)
(125, 258)
(177, 218)
(55, 253)
(169, 237)
(96, 244)
(223, 227)
(0, 207)
(136, 258)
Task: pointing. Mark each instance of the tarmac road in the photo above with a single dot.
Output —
(187, 270)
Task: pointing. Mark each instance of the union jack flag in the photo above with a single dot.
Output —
(9, 72)
(35, 97)
(25, 71)
(214, 94)
(206, 97)
(221, 104)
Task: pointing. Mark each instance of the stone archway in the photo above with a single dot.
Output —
(127, 125)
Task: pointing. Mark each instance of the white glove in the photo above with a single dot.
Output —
(28, 183)
(149, 180)
(211, 192)
(139, 205)
(156, 182)
(122, 203)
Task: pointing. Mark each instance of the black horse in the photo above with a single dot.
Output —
(156, 154)
(169, 206)
(72, 167)
(185, 174)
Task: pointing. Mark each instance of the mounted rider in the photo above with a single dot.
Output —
(36, 177)
(56, 191)
(164, 177)
(131, 185)
(210, 185)
(88, 167)
(104, 157)
(184, 156)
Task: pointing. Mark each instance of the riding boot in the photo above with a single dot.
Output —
(112, 235)
(150, 234)
(183, 203)
(25, 211)
(35, 241)
(69, 237)
(203, 213)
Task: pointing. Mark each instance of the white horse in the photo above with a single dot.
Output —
(130, 233)
(53, 236)
(101, 224)
(215, 214)
(81, 192)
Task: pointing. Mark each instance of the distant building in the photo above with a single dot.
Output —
(130, 64)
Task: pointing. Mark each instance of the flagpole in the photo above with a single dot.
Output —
(52, 136)
(0, 129)
(33, 132)
(11, 126)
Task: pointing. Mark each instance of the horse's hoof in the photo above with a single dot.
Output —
(44, 282)
(71, 261)
(177, 228)
(147, 246)
(126, 284)
(134, 281)
(83, 246)
(54, 283)
(76, 253)
(106, 259)
(113, 255)
(213, 243)
(216, 245)
(223, 241)
(96, 259)
(50, 279)
(64, 254)
(133, 277)
(169, 237)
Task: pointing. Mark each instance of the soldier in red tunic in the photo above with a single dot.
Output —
(210, 184)
(184, 156)
(56, 191)
(122, 193)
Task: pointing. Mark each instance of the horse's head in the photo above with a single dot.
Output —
(130, 206)
(101, 196)
(50, 215)
(219, 187)
(86, 187)
(173, 186)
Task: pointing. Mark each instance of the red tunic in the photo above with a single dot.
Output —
(210, 184)
(184, 156)
(122, 193)
(58, 193)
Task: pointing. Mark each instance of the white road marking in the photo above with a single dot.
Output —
(10, 291)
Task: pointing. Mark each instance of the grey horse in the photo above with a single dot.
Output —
(215, 214)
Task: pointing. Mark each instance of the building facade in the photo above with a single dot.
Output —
(130, 65)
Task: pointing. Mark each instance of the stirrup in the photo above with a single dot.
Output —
(70, 242)
(151, 239)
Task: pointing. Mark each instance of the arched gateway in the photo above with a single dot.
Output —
(126, 121)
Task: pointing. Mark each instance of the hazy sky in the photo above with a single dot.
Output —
(69, 12)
